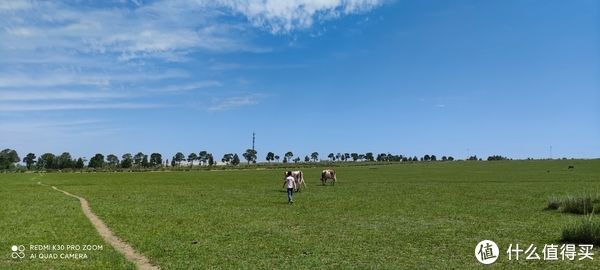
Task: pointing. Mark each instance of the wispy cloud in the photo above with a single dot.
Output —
(165, 29)
(74, 106)
(161, 29)
(64, 132)
(59, 95)
(287, 16)
(78, 55)
(35, 78)
(233, 66)
(191, 86)
(229, 103)
(14, 5)
(49, 124)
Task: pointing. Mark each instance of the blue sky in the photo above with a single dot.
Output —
(407, 77)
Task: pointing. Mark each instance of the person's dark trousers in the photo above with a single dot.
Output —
(290, 192)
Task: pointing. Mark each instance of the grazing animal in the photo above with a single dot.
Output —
(571, 167)
(328, 174)
(298, 178)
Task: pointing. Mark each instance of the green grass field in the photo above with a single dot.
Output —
(422, 215)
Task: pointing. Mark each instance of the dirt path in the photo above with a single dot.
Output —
(131, 254)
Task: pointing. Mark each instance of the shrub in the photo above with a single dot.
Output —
(582, 231)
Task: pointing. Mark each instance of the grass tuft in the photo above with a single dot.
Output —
(581, 204)
(553, 202)
(583, 231)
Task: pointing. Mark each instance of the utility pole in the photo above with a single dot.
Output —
(253, 140)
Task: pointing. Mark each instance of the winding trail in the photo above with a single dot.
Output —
(121, 246)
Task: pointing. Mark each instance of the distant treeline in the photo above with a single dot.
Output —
(9, 160)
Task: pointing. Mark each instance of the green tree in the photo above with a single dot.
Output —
(137, 159)
(433, 158)
(289, 155)
(331, 156)
(64, 161)
(79, 164)
(179, 157)
(314, 156)
(126, 160)
(97, 161)
(270, 157)
(277, 158)
(155, 159)
(250, 155)
(296, 160)
(354, 156)
(346, 156)
(426, 158)
(8, 158)
(211, 160)
(496, 157)
(145, 162)
(306, 159)
(46, 161)
(235, 160)
(369, 156)
(227, 158)
(191, 158)
(29, 160)
(112, 161)
(202, 157)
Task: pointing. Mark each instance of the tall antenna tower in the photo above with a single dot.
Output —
(253, 139)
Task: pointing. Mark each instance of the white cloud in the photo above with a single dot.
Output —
(12, 5)
(113, 52)
(59, 95)
(73, 106)
(160, 29)
(82, 78)
(191, 86)
(137, 2)
(285, 16)
(229, 103)
(164, 29)
(48, 124)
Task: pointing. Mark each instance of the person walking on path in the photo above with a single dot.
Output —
(290, 184)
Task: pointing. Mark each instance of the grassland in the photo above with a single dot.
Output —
(411, 216)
